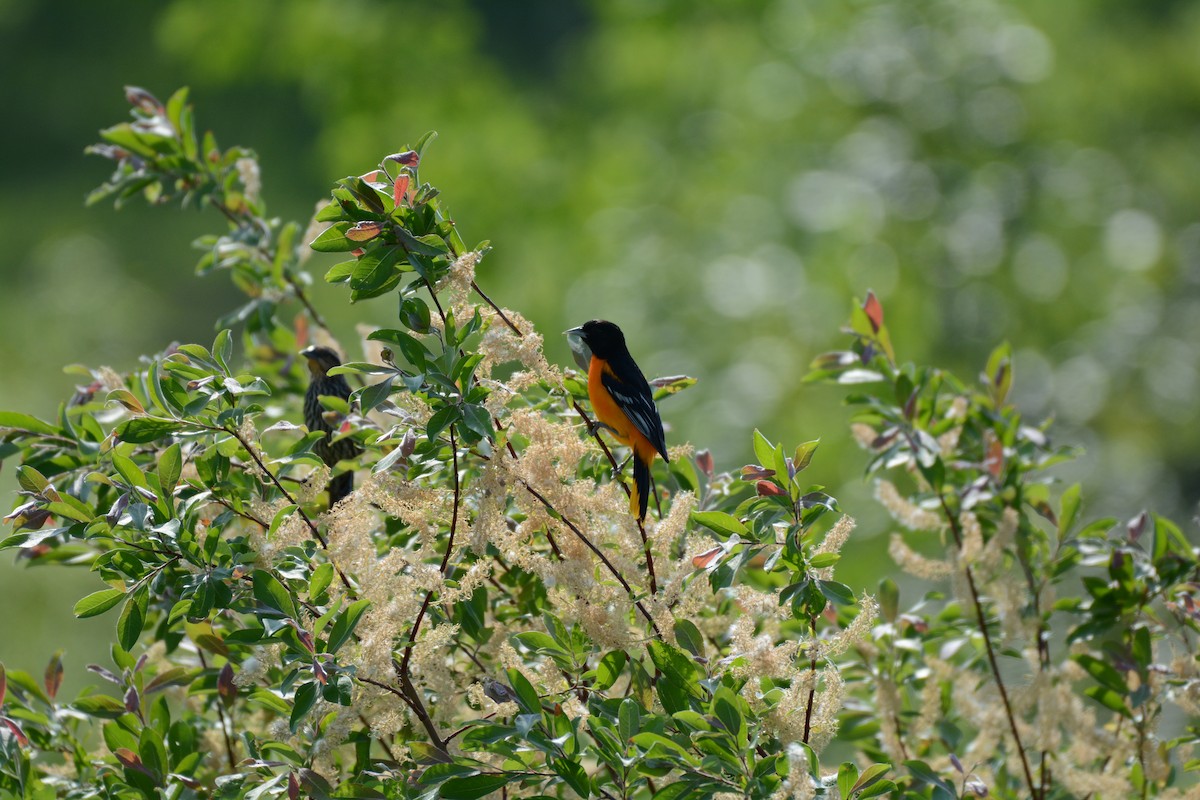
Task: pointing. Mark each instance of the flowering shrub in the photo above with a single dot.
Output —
(483, 616)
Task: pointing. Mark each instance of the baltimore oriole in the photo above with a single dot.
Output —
(622, 401)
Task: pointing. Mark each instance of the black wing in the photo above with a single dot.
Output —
(631, 391)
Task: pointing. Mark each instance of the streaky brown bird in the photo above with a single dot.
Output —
(320, 361)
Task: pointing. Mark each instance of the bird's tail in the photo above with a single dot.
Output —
(340, 486)
(640, 497)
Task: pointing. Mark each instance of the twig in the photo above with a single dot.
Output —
(812, 690)
(496, 308)
(991, 651)
(224, 720)
(312, 526)
(402, 669)
(287, 276)
(599, 554)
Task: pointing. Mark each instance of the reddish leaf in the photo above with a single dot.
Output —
(22, 739)
(54, 674)
(408, 158)
(319, 673)
(226, 688)
(372, 176)
(707, 559)
(364, 231)
(131, 760)
(874, 311)
(753, 472)
(133, 703)
(137, 96)
(994, 460)
(768, 489)
(293, 787)
(358, 252)
(399, 189)
(704, 460)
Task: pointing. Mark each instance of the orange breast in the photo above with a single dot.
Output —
(611, 414)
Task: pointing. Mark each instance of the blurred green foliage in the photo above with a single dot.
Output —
(718, 178)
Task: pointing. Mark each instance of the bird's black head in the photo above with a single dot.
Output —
(602, 338)
(320, 360)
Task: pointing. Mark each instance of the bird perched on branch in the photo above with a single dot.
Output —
(320, 361)
(622, 401)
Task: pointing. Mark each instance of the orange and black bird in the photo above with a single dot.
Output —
(622, 400)
(320, 361)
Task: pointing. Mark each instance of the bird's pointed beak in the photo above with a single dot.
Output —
(579, 349)
(308, 351)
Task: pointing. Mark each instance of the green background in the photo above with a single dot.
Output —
(720, 178)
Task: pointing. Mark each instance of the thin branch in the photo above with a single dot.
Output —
(496, 308)
(312, 526)
(287, 275)
(599, 554)
(991, 651)
(225, 724)
(812, 690)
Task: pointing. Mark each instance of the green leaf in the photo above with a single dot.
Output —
(651, 742)
(375, 269)
(24, 422)
(333, 239)
(31, 480)
(609, 669)
(306, 695)
(1104, 673)
(870, 775)
(689, 637)
(376, 393)
(804, 454)
(322, 576)
(823, 560)
(847, 778)
(764, 451)
(1111, 700)
(133, 618)
(143, 430)
(476, 419)
(442, 418)
(682, 676)
(720, 522)
(1069, 510)
(270, 592)
(98, 602)
(837, 593)
(413, 350)
(340, 272)
(343, 626)
(99, 705)
(128, 470)
(222, 349)
(170, 467)
(573, 773)
(473, 787)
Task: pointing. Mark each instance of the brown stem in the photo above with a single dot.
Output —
(496, 308)
(599, 554)
(991, 650)
(417, 709)
(287, 275)
(402, 670)
(812, 690)
(224, 720)
(312, 526)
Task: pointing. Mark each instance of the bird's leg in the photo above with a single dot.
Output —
(595, 426)
(620, 469)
